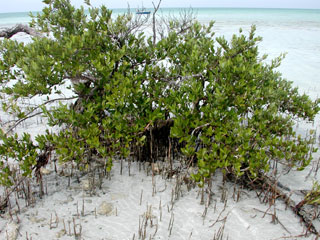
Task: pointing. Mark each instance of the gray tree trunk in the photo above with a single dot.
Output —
(9, 32)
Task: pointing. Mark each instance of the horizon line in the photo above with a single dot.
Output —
(270, 8)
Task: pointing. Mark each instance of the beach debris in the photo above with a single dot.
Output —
(61, 233)
(45, 171)
(12, 230)
(105, 208)
(86, 184)
(156, 168)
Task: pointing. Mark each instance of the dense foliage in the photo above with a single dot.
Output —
(223, 106)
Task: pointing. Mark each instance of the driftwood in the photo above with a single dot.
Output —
(9, 32)
(268, 185)
(299, 209)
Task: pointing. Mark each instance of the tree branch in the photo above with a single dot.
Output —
(9, 32)
(199, 127)
(21, 120)
(36, 114)
(156, 8)
(299, 211)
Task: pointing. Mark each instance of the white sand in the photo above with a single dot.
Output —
(64, 205)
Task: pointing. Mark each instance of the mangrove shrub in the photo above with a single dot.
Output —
(189, 95)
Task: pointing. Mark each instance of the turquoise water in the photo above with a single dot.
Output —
(231, 15)
(13, 18)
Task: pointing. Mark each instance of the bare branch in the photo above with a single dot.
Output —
(9, 32)
(199, 127)
(80, 78)
(30, 115)
(178, 24)
(156, 8)
(21, 120)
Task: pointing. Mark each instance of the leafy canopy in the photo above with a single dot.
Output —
(230, 110)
